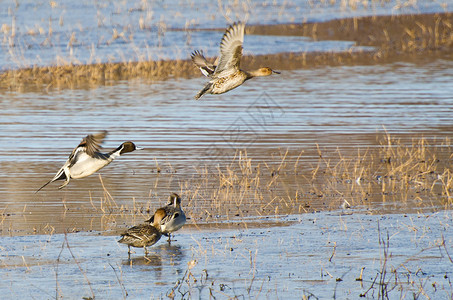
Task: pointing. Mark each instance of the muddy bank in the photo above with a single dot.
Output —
(402, 33)
(394, 38)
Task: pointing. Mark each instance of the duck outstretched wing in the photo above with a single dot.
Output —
(201, 62)
(231, 50)
(91, 144)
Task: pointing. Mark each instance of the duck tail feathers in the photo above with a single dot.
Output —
(60, 175)
(206, 89)
(44, 186)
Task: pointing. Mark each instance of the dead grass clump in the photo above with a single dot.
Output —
(409, 176)
(93, 75)
(420, 167)
(390, 34)
(394, 172)
(238, 190)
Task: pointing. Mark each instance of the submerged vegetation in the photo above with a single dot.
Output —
(245, 191)
(344, 255)
(414, 176)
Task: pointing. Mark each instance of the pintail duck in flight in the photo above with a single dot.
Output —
(143, 235)
(226, 74)
(86, 159)
(174, 216)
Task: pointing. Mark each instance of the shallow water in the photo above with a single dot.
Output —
(59, 32)
(344, 107)
(319, 255)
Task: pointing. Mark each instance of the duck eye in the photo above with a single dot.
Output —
(176, 215)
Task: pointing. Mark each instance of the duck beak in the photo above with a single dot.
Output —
(275, 72)
(138, 148)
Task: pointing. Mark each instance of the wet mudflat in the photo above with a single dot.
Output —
(322, 255)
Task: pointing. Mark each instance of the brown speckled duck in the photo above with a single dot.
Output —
(227, 75)
(143, 235)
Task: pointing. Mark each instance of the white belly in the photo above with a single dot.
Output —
(86, 166)
(174, 224)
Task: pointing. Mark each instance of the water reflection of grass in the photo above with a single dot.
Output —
(415, 174)
(249, 190)
(402, 279)
(391, 279)
(410, 177)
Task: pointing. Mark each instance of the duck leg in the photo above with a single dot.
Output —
(65, 183)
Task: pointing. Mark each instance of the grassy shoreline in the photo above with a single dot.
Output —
(394, 38)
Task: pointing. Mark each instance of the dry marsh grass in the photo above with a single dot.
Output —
(415, 36)
(398, 33)
(245, 192)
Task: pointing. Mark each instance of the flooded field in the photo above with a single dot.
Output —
(60, 32)
(190, 147)
(313, 256)
(304, 112)
(321, 182)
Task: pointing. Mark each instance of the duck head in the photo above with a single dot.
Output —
(268, 71)
(174, 200)
(128, 147)
(263, 72)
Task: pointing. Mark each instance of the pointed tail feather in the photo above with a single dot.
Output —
(60, 175)
(206, 89)
(44, 186)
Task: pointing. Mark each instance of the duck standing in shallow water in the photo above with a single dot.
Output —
(86, 159)
(174, 218)
(227, 75)
(143, 235)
